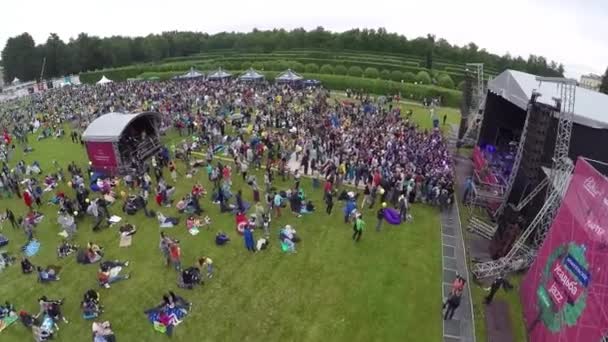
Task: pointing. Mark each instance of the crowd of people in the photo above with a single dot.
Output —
(290, 132)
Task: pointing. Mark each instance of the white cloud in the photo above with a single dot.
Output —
(571, 33)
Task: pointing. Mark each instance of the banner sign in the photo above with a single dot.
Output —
(565, 292)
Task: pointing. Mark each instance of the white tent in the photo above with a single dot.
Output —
(251, 75)
(220, 74)
(104, 80)
(16, 81)
(288, 76)
(190, 75)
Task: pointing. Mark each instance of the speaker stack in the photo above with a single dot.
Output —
(538, 128)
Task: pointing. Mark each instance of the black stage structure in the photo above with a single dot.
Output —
(504, 116)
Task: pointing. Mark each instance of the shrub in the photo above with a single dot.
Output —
(385, 74)
(355, 71)
(327, 69)
(423, 77)
(340, 70)
(258, 65)
(461, 85)
(409, 77)
(445, 81)
(246, 65)
(396, 75)
(371, 73)
(312, 68)
(296, 66)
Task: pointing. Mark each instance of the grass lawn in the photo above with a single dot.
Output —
(385, 288)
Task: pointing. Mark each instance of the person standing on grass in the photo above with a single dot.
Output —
(366, 196)
(329, 202)
(206, 263)
(380, 217)
(249, 240)
(175, 255)
(164, 244)
(277, 203)
(358, 228)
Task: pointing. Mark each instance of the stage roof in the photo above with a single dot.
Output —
(590, 107)
(109, 127)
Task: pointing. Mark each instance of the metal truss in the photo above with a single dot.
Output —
(521, 254)
(471, 136)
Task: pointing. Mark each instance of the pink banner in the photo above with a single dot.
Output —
(565, 292)
(101, 155)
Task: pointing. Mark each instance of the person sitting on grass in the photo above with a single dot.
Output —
(288, 239)
(109, 273)
(48, 274)
(92, 254)
(26, 266)
(189, 278)
(102, 332)
(221, 238)
(90, 305)
(206, 263)
(52, 309)
(66, 249)
(166, 222)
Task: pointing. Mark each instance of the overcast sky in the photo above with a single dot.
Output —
(575, 33)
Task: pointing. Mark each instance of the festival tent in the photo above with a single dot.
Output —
(190, 75)
(220, 74)
(251, 75)
(104, 80)
(312, 83)
(16, 81)
(288, 76)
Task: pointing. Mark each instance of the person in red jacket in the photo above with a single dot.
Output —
(27, 199)
(175, 254)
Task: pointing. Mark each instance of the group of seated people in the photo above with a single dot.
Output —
(191, 276)
(288, 238)
(109, 273)
(189, 204)
(90, 255)
(169, 313)
(91, 308)
(65, 249)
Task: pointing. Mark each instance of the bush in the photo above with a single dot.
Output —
(396, 76)
(312, 68)
(409, 77)
(327, 69)
(371, 73)
(445, 81)
(461, 85)
(340, 69)
(450, 97)
(296, 66)
(246, 65)
(355, 71)
(423, 77)
(258, 65)
(385, 74)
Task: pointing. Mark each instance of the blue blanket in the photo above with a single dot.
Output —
(31, 248)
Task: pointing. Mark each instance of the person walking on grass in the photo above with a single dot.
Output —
(380, 216)
(329, 202)
(175, 255)
(358, 228)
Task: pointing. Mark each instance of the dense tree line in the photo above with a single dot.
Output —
(23, 59)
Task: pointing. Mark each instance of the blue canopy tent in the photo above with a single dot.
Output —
(251, 76)
(288, 77)
(312, 83)
(219, 75)
(190, 75)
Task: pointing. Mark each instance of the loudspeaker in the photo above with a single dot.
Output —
(539, 124)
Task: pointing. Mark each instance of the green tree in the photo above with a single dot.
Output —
(340, 70)
(312, 68)
(371, 73)
(423, 77)
(327, 69)
(385, 74)
(396, 75)
(409, 77)
(604, 84)
(21, 59)
(296, 66)
(444, 80)
(246, 65)
(258, 65)
(355, 71)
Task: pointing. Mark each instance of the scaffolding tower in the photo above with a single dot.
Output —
(522, 253)
(471, 135)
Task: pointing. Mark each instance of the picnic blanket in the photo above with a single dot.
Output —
(154, 318)
(7, 321)
(31, 248)
(392, 216)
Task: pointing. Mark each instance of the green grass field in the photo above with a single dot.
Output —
(385, 288)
